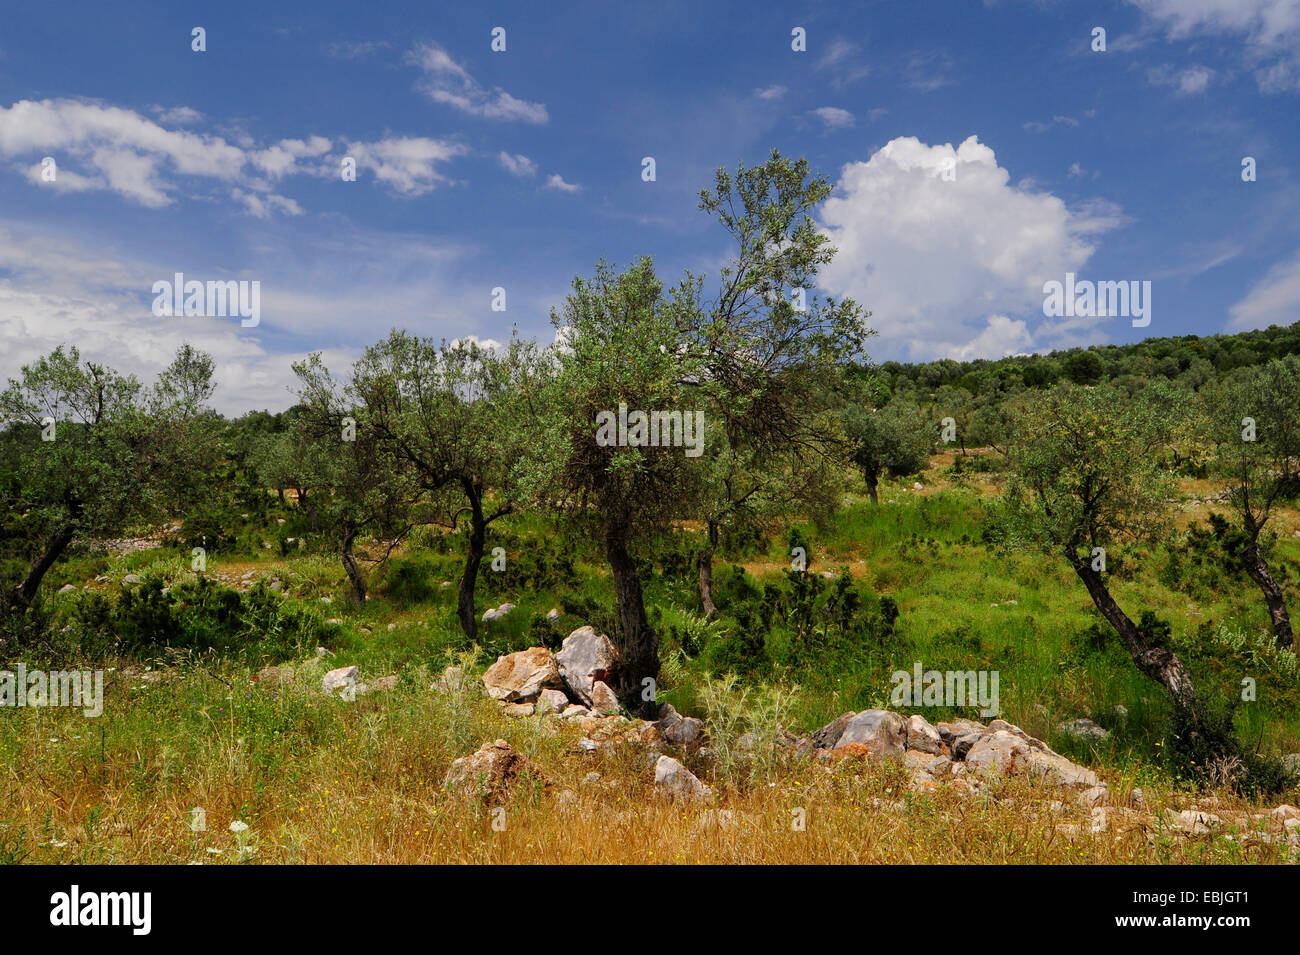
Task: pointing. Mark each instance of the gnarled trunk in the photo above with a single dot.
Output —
(473, 558)
(706, 571)
(638, 643)
(25, 592)
(350, 564)
(872, 481)
(1257, 567)
(1156, 662)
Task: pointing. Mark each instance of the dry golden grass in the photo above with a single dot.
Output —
(370, 792)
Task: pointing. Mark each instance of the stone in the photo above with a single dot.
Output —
(949, 732)
(574, 709)
(923, 737)
(339, 679)
(1195, 822)
(552, 701)
(553, 614)
(962, 744)
(603, 699)
(67, 589)
(453, 680)
(880, 731)
(1094, 796)
(677, 729)
(999, 752)
(586, 657)
(1291, 763)
(492, 772)
(675, 781)
(518, 677)
(385, 683)
(1085, 730)
(829, 735)
(497, 613)
(1059, 771)
(519, 709)
(131, 579)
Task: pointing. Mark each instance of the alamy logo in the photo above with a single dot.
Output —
(209, 299)
(949, 688)
(76, 688)
(134, 909)
(1085, 299)
(655, 429)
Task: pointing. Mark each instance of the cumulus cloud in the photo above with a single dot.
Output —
(329, 290)
(109, 148)
(177, 115)
(407, 165)
(929, 256)
(1001, 336)
(834, 117)
(557, 182)
(1270, 30)
(447, 82)
(517, 165)
(1273, 300)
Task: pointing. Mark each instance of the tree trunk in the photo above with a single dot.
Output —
(25, 592)
(350, 564)
(706, 571)
(280, 491)
(1257, 567)
(473, 558)
(638, 643)
(872, 481)
(1156, 662)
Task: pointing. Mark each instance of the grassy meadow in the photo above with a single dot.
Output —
(187, 722)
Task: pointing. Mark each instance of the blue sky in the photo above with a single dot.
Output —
(519, 169)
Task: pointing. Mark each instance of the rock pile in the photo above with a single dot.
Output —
(572, 683)
(961, 747)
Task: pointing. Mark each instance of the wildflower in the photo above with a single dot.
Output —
(238, 826)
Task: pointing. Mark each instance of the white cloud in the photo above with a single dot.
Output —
(447, 82)
(929, 256)
(1034, 126)
(1273, 300)
(330, 290)
(407, 165)
(1189, 81)
(770, 92)
(282, 158)
(177, 115)
(557, 182)
(105, 147)
(1001, 336)
(1270, 28)
(834, 117)
(517, 165)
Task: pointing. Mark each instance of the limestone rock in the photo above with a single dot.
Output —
(603, 700)
(880, 731)
(339, 679)
(675, 781)
(829, 735)
(585, 658)
(999, 752)
(923, 737)
(492, 772)
(522, 676)
(1085, 730)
